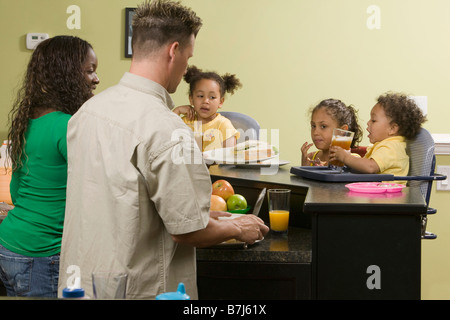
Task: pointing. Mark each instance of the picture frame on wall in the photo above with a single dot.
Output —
(129, 13)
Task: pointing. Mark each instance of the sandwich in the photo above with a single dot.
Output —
(252, 150)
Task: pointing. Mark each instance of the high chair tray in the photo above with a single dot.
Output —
(334, 175)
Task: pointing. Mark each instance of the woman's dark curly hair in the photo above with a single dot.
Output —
(54, 80)
(404, 112)
(343, 115)
(227, 83)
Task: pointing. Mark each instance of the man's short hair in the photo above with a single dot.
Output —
(159, 22)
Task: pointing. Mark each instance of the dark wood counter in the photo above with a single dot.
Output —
(278, 267)
(294, 247)
(341, 245)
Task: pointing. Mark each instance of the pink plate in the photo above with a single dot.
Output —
(374, 187)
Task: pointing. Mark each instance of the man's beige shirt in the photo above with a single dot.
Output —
(135, 176)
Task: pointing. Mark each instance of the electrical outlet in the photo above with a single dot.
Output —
(443, 185)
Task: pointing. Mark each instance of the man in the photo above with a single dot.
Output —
(136, 203)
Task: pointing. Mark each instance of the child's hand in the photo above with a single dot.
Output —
(318, 163)
(337, 153)
(305, 158)
(185, 110)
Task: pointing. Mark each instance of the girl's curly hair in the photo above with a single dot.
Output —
(54, 79)
(404, 112)
(343, 115)
(227, 83)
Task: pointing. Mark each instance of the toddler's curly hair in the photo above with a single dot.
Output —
(404, 112)
(228, 82)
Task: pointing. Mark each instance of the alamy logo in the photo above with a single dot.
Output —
(74, 272)
(374, 280)
(74, 20)
(374, 20)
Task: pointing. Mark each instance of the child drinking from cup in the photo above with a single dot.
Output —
(394, 119)
(327, 115)
(207, 95)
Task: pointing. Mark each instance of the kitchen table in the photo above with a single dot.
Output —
(340, 245)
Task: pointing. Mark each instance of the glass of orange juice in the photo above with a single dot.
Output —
(279, 200)
(341, 138)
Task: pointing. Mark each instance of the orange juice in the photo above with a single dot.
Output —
(344, 143)
(279, 220)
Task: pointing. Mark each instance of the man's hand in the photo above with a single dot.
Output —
(252, 228)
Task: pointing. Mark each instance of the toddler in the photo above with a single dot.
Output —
(394, 119)
(206, 95)
(327, 115)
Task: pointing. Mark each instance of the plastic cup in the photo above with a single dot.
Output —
(341, 138)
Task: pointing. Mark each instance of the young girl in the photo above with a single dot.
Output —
(326, 116)
(394, 119)
(206, 94)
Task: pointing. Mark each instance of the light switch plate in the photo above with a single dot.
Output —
(443, 185)
(422, 103)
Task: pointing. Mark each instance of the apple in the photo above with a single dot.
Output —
(236, 202)
(222, 188)
(218, 203)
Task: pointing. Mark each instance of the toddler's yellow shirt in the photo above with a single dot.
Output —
(215, 132)
(390, 155)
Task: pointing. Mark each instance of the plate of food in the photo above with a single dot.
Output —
(250, 151)
(374, 187)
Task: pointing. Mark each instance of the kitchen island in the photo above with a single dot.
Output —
(340, 245)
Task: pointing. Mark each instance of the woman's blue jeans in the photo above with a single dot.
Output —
(25, 276)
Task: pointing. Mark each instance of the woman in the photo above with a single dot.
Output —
(60, 77)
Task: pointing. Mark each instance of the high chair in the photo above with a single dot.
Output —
(247, 124)
(422, 162)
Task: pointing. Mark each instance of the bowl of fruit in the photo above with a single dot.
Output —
(223, 198)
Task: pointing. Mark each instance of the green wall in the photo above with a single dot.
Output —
(289, 55)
